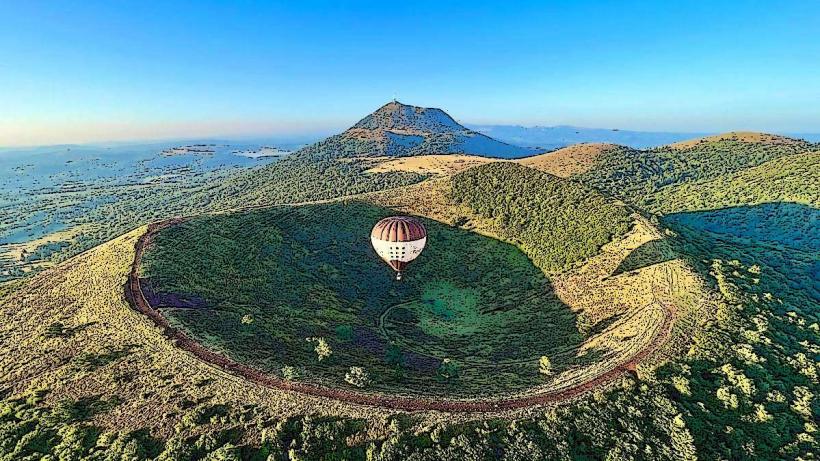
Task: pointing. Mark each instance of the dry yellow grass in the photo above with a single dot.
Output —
(429, 164)
(739, 136)
(563, 163)
(568, 161)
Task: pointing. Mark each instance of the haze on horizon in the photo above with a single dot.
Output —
(96, 71)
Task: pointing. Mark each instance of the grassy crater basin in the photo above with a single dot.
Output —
(471, 317)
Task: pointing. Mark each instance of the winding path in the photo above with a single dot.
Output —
(135, 297)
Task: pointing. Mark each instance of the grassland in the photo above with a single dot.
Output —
(568, 161)
(436, 165)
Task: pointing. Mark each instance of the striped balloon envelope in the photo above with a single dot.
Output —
(398, 240)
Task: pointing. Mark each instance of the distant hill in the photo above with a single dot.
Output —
(340, 165)
(792, 178)
(636, 175)
(554, 137)
(400, 130)
(739, 136)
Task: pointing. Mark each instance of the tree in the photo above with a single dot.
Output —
(545, 365)
(394, 355)
(448, 370)
(322, 348)
(583, 323)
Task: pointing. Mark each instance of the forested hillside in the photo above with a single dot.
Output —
(298, 179)
(791, 178)
(557, 222)
(633, 174)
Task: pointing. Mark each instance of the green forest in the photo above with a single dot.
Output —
(557, 222)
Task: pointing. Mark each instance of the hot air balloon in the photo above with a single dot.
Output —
(398, 240)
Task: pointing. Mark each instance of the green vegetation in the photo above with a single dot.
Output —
(545, 365)
(556, 222)
(299, 178)
(65, 431)
(752, 368)
(473, 300)
(634, 174)
(792, 178)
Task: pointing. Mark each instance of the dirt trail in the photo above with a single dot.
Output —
(134, 294)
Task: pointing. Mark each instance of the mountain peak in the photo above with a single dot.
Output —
(395, 116)
(401, 130)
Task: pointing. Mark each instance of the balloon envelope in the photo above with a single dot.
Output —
(398, 240)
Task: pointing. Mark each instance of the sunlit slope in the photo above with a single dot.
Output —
(571, 160)
(434, 165)
(793, 178)
(633, 175)
(740, 137)
(69, 330)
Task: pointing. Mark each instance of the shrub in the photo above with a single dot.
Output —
(322, 348)
(290, 373)
(357, 376)
(448, 371)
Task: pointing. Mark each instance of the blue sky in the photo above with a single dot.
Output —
(89, 71)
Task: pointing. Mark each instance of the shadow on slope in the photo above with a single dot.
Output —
(765, 261)
(780, 238)
(650, 253)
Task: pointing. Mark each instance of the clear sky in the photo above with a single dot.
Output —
(113, 70)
